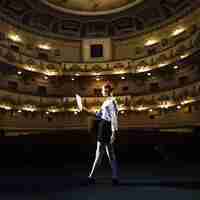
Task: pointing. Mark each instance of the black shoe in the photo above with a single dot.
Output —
(115, 182)
(91, 181)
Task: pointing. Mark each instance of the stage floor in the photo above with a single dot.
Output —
(136, 182)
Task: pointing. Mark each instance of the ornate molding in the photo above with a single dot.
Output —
(41, 19)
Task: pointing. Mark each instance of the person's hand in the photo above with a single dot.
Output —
(112, 139)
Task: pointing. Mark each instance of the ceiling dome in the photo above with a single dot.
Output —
(91, 7)
(119, 19)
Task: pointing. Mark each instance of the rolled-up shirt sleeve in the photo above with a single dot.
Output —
(114, 116)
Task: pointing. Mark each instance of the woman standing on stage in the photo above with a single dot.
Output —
(106, 133)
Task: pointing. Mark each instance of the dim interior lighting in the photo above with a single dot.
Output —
(75, 112)
(52, 109)
(175, 67)
(141, 108)
(30, 108)
(178, 107)
(184, 56)
(166, 104)
(5, 107)
(47, 112)
(50, 73)
(163, 106)
(29, 67)
(96, 73)
(119, 72)
(97, 79)
(178, 31)
(14, 37)
(151, 42)
(143, 68)
(162, 64)
(149, 74)
(123, 78)
(122, 112)
(19, 72)
(187, 101)
(132, 107)
(44, 46)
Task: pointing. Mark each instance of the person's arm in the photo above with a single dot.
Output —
(114, 120)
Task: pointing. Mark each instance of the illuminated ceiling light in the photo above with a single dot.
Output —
(19, 72)
(75, 112)
(175, 67)
(77, 74)
(143, 68)
(149, 74)
(44, 46)
(132, 107)
(5, 107)
(165, 105)
(162, 64)
(14, 37)
(96, 73)
(187, 101)
(50, 73)
(73, 79)
(29, 67)
(47, 112)
(30, 108)
(52, 109)
(19, 111)
(122, 112)
(178, 107)
(119, 72)
(151, 42)
(123, 78)
(178, 31)
(184, 56)
(151, 110)
(46, 78)
(97, 79)
(140, 108)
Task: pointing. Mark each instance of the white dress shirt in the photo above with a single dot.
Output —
(109, 112)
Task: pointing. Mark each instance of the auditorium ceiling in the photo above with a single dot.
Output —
(94, 7)
(44, 18)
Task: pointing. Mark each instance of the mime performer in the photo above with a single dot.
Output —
(106, 133)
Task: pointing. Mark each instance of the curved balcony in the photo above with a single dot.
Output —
(31, 121)
(133, 48)
(164, 79)
(182, 50)
(164, 100)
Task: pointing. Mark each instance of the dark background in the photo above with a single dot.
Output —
(59, 148)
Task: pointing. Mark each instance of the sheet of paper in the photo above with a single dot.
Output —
(79, 102)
